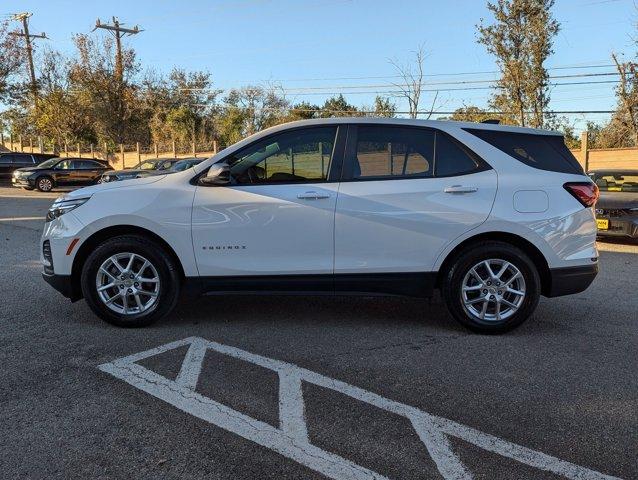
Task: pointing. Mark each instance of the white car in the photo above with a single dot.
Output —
(493, 216)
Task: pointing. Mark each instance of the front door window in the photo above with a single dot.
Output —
(297, 156)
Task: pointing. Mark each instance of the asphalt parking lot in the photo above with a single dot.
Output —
(366, 388)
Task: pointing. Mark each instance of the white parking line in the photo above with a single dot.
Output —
(291, 439)
(21, 219)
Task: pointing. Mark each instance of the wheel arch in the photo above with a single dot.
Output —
(116, 230)
(528, 247)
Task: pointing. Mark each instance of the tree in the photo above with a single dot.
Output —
(338, 107)
(116, 113)
(470, 114)
(412, 82)
(626, 116)
(521, 39)
(256, 107)
(384, 107)
(9, 58)
(303, 111)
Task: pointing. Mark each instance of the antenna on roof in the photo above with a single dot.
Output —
(492, 121)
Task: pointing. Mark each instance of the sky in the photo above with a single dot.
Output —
(313, 48)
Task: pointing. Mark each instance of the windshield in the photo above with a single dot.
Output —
(49, 163)
(616, 181)
(147, 165)
(183, 165)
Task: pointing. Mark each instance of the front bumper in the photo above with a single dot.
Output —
(570, 280)
(22, 182)
(63, 284)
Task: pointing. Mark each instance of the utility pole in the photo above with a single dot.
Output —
(118, 32)
(24, 18)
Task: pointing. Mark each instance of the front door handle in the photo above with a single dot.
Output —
(460, 189)
(312, 196)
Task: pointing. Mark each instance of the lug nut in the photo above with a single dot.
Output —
(484, 292)
(136, 284)
(491, 297)
(122, 277)
(500, 292)
(132, 276)
(498, 284)
(121, 286)
(130, 290)
(489, 283)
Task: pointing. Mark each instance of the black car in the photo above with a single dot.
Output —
(59, 172)
(617, 207)
(11, 161)
(142, 169)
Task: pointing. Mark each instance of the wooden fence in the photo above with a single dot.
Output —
(124, 156)
(129, 155)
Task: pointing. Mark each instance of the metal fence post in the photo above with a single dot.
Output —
(137, 148)
(92, 151)
(215, 146)
(79, 151)
(155, 148)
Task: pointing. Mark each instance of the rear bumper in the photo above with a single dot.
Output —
(570, 280)
(63, 284)
(620, 228)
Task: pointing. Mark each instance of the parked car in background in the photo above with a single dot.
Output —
(617, 207)
(180, 166)
(11, 161)
(493, 216)
(142, 169)
(59, 172)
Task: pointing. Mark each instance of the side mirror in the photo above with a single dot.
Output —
(218, 175)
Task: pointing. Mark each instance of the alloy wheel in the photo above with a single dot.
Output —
(45, 184)
(493, 290)
(128, 284)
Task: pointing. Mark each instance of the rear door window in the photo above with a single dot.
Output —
(391, 152)
(545, 152)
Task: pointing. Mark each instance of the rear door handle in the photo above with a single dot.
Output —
(460, 189)
(312, 196)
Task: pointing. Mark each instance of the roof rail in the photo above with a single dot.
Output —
(492, 121)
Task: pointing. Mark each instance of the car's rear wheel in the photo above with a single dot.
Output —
(492, 287)
(130, 281)
(44, 184)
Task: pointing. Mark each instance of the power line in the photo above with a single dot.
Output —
(442, 74)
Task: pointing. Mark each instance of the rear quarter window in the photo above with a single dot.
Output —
(545, 152)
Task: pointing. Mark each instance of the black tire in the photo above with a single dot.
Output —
(452, 284)
(44, 183)
(162, 261)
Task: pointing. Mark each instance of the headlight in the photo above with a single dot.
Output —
(62, 206)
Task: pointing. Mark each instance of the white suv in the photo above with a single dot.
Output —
(493, 216)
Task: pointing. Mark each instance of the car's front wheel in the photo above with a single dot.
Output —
(491, 287)
(44, 184)
(130, 281)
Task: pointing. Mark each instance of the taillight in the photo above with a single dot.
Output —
(586, 192)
